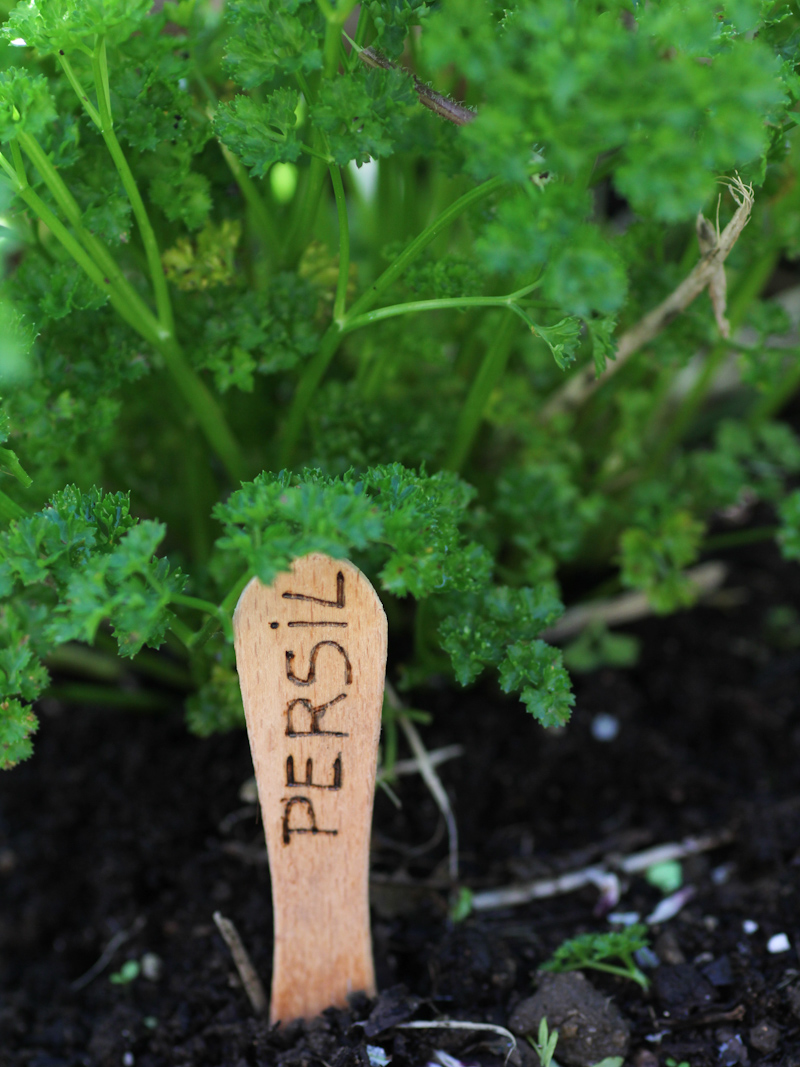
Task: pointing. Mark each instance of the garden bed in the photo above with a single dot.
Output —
(124, 830)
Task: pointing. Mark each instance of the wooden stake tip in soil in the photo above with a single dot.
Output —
(311, 656)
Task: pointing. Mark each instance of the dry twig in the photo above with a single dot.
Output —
(706, 577)
(244, 965)
(708, 274)
(598, 874)
(441, 105)
(453, 1024)
(430, 777)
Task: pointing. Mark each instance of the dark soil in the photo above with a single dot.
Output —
(123, 830)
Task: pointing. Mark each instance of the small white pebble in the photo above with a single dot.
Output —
(624, 918)
(128, 1060)
(248, 792)
(778, 943)
(749, 926)
(604, 727)
(377, 1057)
(151, 966)
(720, 875)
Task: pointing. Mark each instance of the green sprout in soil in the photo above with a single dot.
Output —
(127, 973)
(545, 1044)
(595, 951)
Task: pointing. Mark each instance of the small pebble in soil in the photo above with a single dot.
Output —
(669, 907)
(151, 966)
(778, 943)
(590, 1027)
(731, 1047)
(624, 918)
(719, 972)
(680, 989)
(764, 1036)
(604, 727)
(793, 999)
(645, 1058)
(721, 875)
(668, 949)
(749, 926)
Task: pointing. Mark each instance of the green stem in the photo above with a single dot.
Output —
(739, 537)
(624, 972)
(78, 659)
(122, 297)
(261, 215)
(263, 220)
(318, 364)
(340, 300)
(308, 205)
(777, 397)
(226, 607)
(128, 303)
(442, 303)
(10, 509)
(420, 243)
(159, 281)
(72, 78)
(109, 696)
(485, 382)
(9, 464)
(205, 408)
(207, 608)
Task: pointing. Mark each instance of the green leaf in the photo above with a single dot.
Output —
(393, 20)
(63, 25)
(604, 345)
(498, 627)
(26, 105)
(408, 521)
(789, 533)
(653, 560)
(563, 340)
(535, 670)
(206, 261)
(262, 132)
(17, 725)
(269, 38)
(598, 951)
(364, 115)
(598, 647)
(216, 707)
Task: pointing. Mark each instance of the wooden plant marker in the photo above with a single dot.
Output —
(311, 656)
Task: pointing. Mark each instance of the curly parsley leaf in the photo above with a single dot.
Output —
(26, 104)
(653, 560)
(260, 132)
(62, 25)
(594, 951)
(270, 38)
(499, 628)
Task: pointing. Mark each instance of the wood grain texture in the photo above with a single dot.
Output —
(311, 656)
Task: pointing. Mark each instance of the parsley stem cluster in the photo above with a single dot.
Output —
(317, 366)
(100, 266)
(483, 385)
(344, 245)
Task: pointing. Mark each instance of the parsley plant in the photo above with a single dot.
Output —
(221, 346)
